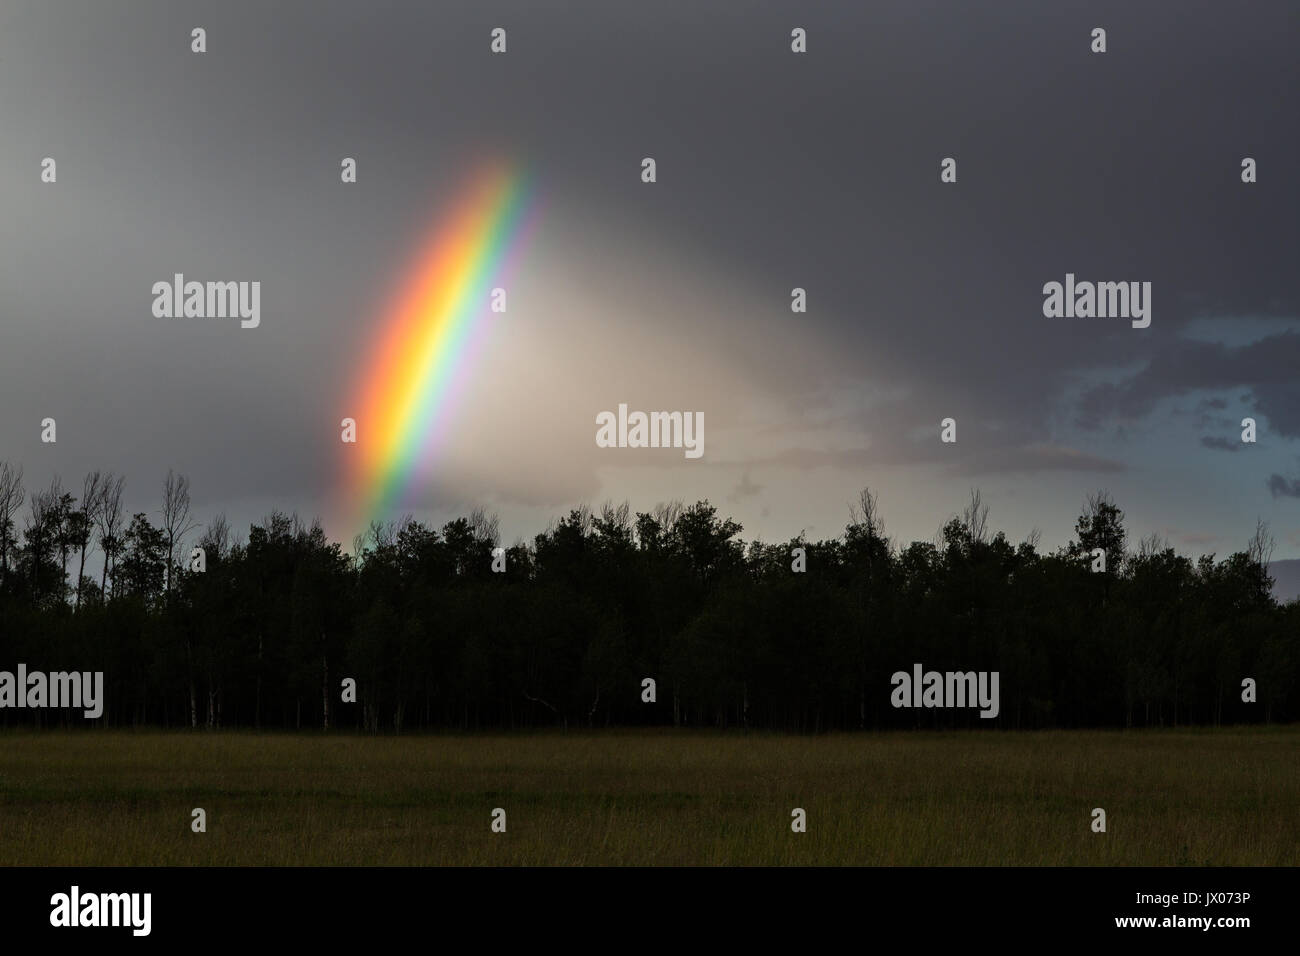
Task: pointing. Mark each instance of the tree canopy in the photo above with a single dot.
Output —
(733, 636)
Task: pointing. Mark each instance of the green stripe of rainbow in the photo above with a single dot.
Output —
(429, 336)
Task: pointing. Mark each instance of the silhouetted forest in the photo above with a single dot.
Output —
(732, 635)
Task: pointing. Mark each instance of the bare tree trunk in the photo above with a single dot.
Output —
(325, 686)
(189, 669)
(11, 499)
(257, 705)
(109, 518)
(81, 570)
(176, 517)
(92, 490)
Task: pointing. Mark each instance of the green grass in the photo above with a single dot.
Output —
(1228, 797)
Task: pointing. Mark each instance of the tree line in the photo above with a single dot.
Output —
(445, 629)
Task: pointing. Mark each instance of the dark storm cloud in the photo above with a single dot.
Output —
(1283, 487)
(1219, 443)
(746, 488)
(939, 289)
(1268, 366)
(1279, 402)
(819, 171)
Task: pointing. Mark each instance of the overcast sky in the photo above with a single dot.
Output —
(775, 170)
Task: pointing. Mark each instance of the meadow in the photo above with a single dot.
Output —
(626, 797)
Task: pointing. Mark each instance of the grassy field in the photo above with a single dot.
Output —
(1229, 797)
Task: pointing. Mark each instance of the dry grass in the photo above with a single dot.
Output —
(1229, 797)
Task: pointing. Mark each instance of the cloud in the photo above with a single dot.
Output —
(1267, 367)
(746, 489)
(1037, 458)
(1282, 487)
(980, 450)
(1220, 443)
(675, 296)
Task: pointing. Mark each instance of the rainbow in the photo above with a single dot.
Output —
(429, 336)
